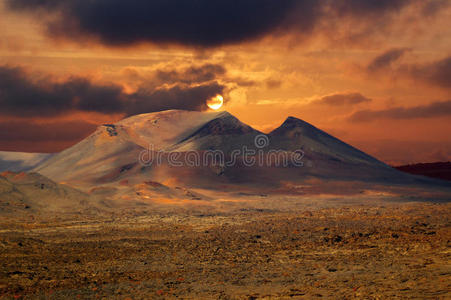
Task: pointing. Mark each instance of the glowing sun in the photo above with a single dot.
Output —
(215, 102)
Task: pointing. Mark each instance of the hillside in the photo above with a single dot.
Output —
(32, 192)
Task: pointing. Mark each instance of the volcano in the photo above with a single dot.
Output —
(114, 152)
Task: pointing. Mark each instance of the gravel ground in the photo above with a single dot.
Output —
(389, 251)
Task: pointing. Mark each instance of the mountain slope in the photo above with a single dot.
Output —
(297, 134)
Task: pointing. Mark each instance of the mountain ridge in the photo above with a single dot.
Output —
(112, 154)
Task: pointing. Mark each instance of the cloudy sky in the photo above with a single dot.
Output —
(374, 73)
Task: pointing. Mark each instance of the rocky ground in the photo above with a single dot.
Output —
(383, 251)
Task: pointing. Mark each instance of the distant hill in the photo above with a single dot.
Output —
(20, 161)
(34, 192)
(440, 170)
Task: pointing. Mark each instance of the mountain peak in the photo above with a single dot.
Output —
(225, 113)
(292, 123)
(223, 124)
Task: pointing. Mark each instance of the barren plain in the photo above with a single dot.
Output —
(344, 250)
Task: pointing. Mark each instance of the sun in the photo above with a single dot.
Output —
(215, 102)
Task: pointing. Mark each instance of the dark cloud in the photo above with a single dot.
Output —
(177, 97)
(244, 82)
(437, 73)
(199, 23)
(365, 8)
(343, 99)
(22, 96)
(273, 83)
(433, 110)
(386, 59)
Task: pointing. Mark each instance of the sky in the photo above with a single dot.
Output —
(374, 73)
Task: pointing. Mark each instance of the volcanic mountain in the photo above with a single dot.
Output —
(117, 153)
